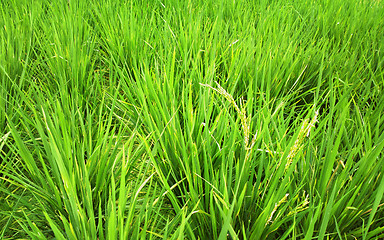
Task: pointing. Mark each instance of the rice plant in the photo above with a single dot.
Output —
(191, 119)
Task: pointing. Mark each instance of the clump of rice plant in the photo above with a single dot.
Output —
(191, 119)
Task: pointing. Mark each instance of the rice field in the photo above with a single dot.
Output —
(167, 119)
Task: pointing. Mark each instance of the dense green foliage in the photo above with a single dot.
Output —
(166, 119)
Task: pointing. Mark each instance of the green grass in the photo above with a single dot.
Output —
(191, 119)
